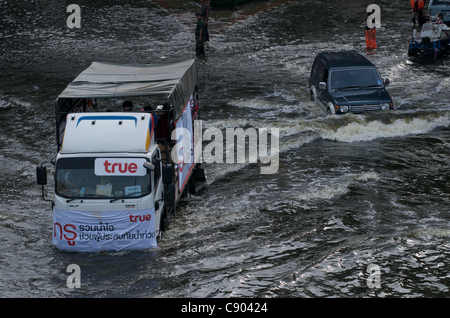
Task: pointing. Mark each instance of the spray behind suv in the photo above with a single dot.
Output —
(347, 82)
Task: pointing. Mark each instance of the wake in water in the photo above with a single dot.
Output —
(295, 133)
(366, 131)
(335, 187)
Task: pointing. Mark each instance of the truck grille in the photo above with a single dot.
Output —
(363, 108)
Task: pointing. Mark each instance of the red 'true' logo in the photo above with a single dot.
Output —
(131, 168)
(141, 218)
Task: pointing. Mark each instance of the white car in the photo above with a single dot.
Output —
(442, 6)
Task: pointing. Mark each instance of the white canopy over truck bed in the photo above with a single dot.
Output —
(178, 81)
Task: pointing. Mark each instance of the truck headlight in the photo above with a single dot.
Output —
(344, 109)
(384, 106)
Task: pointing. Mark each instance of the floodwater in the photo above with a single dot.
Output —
(351, 191)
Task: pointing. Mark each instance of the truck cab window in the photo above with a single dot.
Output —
(76, 177)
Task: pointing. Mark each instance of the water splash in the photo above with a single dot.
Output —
(366, 131)
(335, 187)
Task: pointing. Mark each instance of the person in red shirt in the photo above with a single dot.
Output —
(162, 128)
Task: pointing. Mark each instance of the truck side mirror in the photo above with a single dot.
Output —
(167, 175)
(149, 166)
(322, 85)
(41, 175)
(386, 81)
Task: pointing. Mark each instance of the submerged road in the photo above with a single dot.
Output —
(354, 196)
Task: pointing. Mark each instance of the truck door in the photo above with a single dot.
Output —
(157, 182)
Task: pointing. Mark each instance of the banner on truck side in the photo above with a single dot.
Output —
(185, 155)
(94, 231)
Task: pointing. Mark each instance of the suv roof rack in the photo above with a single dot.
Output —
(344, 58)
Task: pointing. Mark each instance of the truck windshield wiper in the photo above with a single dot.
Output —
(124, 197)
(111, 200)
(87, 196)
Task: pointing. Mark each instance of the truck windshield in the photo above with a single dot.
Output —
(355, 78)
(82, 178)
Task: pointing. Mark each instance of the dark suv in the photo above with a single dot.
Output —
(346, 81)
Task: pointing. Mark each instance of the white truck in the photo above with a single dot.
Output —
(120, 175)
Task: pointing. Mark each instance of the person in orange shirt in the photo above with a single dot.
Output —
(416, 6)
(371, 40)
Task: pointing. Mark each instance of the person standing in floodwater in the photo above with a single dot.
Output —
(371, 40)
(416, 6)
(204, 12)
(199, 36)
